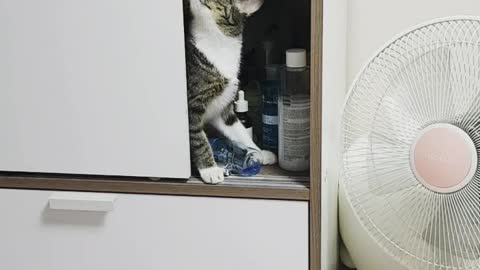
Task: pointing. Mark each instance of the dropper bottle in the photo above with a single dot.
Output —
(241, 110)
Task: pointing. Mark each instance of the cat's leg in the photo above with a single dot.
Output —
(229, 125)
(201, 152)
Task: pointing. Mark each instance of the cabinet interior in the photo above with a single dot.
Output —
(287, 24)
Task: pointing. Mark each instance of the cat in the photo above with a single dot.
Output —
(213, 36)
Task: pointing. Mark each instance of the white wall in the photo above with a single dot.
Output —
(373, 23)
(334, 78)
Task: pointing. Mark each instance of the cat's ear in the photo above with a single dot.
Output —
(248, 7)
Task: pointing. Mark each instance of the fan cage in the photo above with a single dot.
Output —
(426, 76)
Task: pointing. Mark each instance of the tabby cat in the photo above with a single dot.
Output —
(213, 49)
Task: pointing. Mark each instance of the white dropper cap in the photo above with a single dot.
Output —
(241, 105)
(296, 58)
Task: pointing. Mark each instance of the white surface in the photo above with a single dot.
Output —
(372, 23)
(79, 201)
(334, 89)
(154, 232)
(366, 254)
(93, 87)
(345, 257)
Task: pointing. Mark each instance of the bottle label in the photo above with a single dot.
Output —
(270, 119)
(270, 132)
(235, 158)
(294, 128)
(270, 115)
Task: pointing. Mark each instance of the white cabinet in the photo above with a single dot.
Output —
(153, 232)
(93, 87)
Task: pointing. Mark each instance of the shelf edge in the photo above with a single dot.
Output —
(110, 185)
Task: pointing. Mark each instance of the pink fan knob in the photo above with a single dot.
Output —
(443, 158)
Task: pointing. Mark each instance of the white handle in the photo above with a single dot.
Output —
(80, 201)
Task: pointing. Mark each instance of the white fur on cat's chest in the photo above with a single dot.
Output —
(222, 51)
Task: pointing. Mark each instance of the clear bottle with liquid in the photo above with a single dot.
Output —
(235, 158)
(294, 113)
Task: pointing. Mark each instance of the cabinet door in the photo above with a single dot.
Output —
(93, 87)
(153, 232)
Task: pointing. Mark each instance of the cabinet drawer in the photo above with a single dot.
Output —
(153, 232)
(93, 87)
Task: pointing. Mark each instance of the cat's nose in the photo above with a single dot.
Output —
(249, 6)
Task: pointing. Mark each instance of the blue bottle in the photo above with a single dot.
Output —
(236, 158)
(270, 90)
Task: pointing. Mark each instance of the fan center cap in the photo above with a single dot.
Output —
(443, 158)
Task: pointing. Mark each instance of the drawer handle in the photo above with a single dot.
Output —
(80, 201)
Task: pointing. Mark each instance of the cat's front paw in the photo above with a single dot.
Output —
(268, 158)
(212, 175)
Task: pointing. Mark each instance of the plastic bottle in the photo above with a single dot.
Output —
(268, 46)
(236, 158)
(294, 113)
(241, 110)
(270, 89)
(254, 96)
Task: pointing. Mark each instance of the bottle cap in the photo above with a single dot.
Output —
(241, 105)
(296, 58)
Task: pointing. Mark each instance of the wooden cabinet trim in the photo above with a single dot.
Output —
(316, 134)
(192, 187)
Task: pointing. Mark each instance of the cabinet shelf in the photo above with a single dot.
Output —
(258, 187)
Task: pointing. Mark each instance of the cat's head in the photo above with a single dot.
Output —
(230, 14)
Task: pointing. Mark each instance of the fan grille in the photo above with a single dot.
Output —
(430, 75)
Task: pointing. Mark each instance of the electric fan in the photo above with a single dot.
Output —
(410, 190)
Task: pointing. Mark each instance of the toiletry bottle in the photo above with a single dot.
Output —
(294, 113)
(236, 158)
(241, 110)
(253, 94)
(270, 89)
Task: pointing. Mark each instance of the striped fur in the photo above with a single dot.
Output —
(213, 47)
